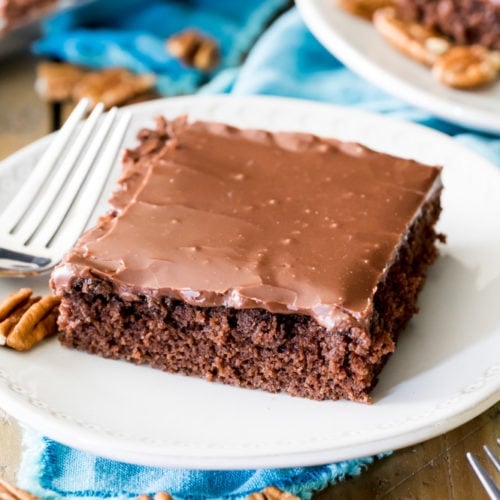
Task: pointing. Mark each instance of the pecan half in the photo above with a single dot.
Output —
(8, 324)
(467, 67)
(364, 8)
(194, 49)
(11, 492)
(415, 40)
(13, 300)
(26, 320)
(112, 86)
(55, 81)
(272, 493)
(159, 496)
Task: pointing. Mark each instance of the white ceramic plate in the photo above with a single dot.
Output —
(446, 369)
(359, 46)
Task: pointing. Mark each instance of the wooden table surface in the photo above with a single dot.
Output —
(435, 469)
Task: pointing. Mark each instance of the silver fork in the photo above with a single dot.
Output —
(54, 205)
(486, 480)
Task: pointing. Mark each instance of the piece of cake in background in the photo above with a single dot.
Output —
(275, 261)
(466, 22)
(15, 12)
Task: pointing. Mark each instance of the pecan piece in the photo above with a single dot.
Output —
(206, 57)
(14, 300)
(36, 323)
(56, 81)
(364, 8)
(14, 317)
(422, 44)
(112, 86)
(11, 492)
(11, 310)
(467, 66)
(194, 49)
(159, 496)
(272, 493)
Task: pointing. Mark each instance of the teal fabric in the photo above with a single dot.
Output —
(52, 470)
(286, 61)
(131, 34)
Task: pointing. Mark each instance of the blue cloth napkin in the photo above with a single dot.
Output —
(52, 470)
(131, 34)
(287, 61)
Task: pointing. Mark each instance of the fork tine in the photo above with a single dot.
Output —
(20, 203)
(494, 459)
(82, 209)
(484, 477)
(41, 206)
(63, 204)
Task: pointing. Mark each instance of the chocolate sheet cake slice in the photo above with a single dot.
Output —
(464, 21)
(277, 261)
(15, 12)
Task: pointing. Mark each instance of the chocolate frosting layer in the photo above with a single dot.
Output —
(289, 222)
(465, 21)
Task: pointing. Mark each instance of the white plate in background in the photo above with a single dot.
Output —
(356, 42)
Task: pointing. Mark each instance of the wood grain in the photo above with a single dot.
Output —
(10, 447)
(433, 470)
(23, 117)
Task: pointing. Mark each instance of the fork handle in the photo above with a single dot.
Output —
(22, 261)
